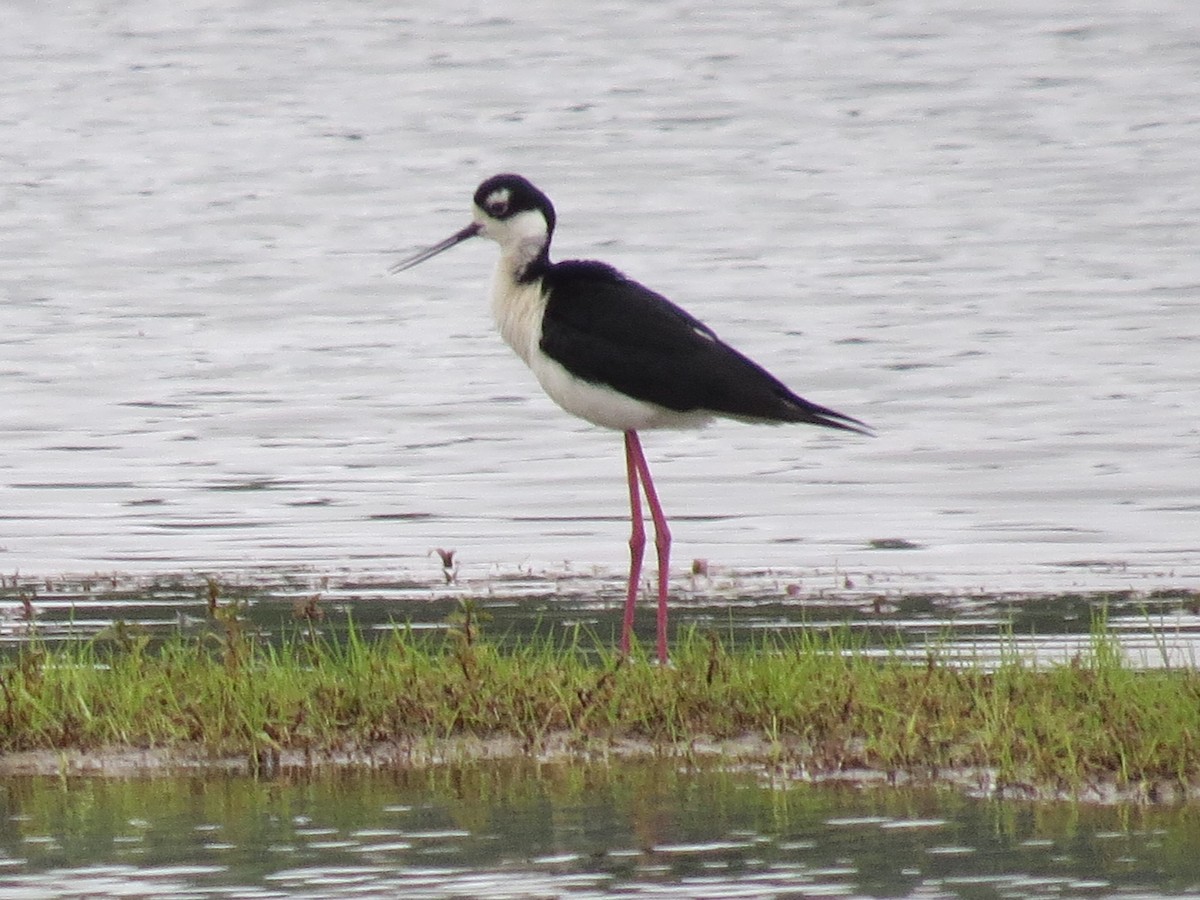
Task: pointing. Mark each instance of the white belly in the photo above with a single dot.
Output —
(603, 406)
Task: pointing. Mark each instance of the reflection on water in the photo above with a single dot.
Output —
(524, 829)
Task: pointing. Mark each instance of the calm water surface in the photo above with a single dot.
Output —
(973, 225)
(547, 830)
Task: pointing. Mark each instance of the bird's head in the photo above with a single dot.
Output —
(513, 213)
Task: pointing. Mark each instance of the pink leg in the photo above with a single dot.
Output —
(637, 538)
(662, 535)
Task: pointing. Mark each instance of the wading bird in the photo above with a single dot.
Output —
(617, 354)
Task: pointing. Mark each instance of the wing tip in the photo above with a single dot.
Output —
(847, 423)
(831, 418)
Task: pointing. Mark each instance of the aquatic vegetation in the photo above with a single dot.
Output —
(816, 700)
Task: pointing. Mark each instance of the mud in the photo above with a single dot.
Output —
(777, 764)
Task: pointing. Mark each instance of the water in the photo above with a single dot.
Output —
(972, 225)
(525, 829)
(573, 608)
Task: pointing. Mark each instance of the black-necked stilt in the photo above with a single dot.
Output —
(616, 354)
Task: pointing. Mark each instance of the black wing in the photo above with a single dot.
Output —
(607, 329)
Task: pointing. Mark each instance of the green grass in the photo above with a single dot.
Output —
(816, 699)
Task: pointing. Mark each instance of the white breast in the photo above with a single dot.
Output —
(518, 309)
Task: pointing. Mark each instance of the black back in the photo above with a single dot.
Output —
(607, 329)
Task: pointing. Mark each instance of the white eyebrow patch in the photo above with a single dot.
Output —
(497, 201)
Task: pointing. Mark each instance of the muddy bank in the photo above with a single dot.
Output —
(774, 763)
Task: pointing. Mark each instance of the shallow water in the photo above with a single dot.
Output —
(973, 226)
(524, 829)
(756, 609)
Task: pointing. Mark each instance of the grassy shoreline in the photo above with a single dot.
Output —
(813, 703)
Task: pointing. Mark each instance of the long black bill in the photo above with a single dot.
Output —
(457, 238)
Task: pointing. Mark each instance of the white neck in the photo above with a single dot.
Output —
(521, 240)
